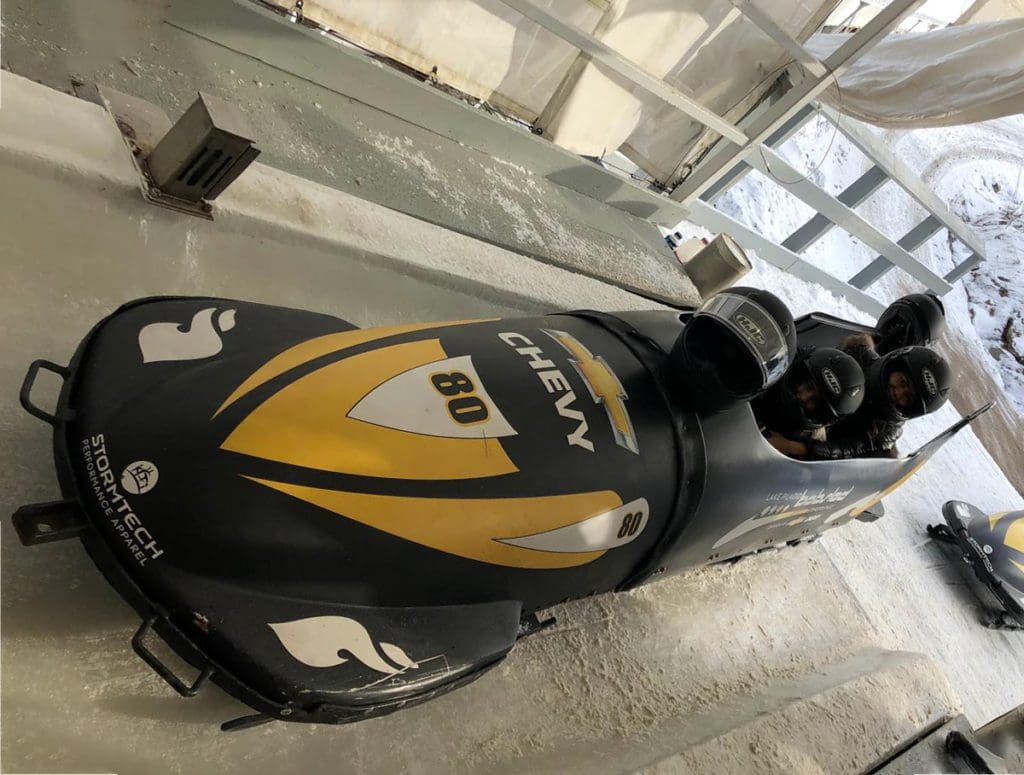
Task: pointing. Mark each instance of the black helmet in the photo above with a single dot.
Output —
(735, 346)
(929, 375)
(839, 380)
(917, 319)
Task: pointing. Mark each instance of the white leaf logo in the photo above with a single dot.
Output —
(318, 641)
(171, 342)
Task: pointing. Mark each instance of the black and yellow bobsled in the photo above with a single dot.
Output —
(332, 523)
(993, 546)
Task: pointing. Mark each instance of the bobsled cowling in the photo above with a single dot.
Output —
(332, 523)
(993, 545)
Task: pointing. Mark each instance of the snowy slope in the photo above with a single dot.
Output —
(978, 170)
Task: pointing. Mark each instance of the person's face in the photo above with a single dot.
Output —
(901, 389)
(808, 396)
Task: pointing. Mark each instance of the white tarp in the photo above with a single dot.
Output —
(482, 47)
(992, 10)
(956, 75)
(706, 49)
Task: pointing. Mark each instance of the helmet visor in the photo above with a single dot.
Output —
(758, 332)
(905, 393)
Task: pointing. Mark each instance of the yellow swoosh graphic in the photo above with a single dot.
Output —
(1015, 535)
(467, 527)
(994, 518)
(887, 490)
(306, 424)
(323, 345)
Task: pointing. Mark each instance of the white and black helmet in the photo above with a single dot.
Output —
(735, 346)
(917, 319)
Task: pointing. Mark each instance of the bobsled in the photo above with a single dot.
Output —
(993, 546)
(332, 523)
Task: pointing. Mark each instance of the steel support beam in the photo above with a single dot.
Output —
(964, 267)
(705, 215)
(773, 165)
(724, 156)
(781, 135)
(572, 76)
(908, 179)
(921, 16)
(608, 57)
(818, 226)
(912, 240)
(767, 25)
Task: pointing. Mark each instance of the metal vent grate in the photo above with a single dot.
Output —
(203, 152)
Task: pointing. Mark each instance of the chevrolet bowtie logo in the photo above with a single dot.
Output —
(604, 387)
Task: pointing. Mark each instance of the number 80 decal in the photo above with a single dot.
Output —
(464, 406)
(444, 398)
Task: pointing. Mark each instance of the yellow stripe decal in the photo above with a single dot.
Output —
(887, 490)
(324, 345)
(993, 518)
(306, 424)
(1015, 535)
(467, 527)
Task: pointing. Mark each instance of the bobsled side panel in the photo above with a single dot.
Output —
(754, 497)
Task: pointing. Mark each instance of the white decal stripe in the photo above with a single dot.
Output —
(605, 531)
(409, 402)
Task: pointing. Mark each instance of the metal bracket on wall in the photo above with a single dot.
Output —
(185, 165)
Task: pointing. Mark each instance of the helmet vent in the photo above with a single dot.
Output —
(751, 329)
(929, 382)
(831, 381)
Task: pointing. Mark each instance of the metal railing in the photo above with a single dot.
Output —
(751, 146)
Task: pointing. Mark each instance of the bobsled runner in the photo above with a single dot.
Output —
(332, 523)
(993, 546)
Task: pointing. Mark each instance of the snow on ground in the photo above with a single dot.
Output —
(978, 169)
(906, 584)
(912, 589)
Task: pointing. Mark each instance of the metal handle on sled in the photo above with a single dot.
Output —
(161, 669)
(26, 392)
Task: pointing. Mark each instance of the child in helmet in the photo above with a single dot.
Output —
(903, 383)
(823, 386)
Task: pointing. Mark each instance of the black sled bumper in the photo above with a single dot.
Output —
(958, 516)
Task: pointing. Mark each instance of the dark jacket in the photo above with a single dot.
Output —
(777, 409)
(865, 433)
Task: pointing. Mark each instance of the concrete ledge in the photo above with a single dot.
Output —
(42, 130)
